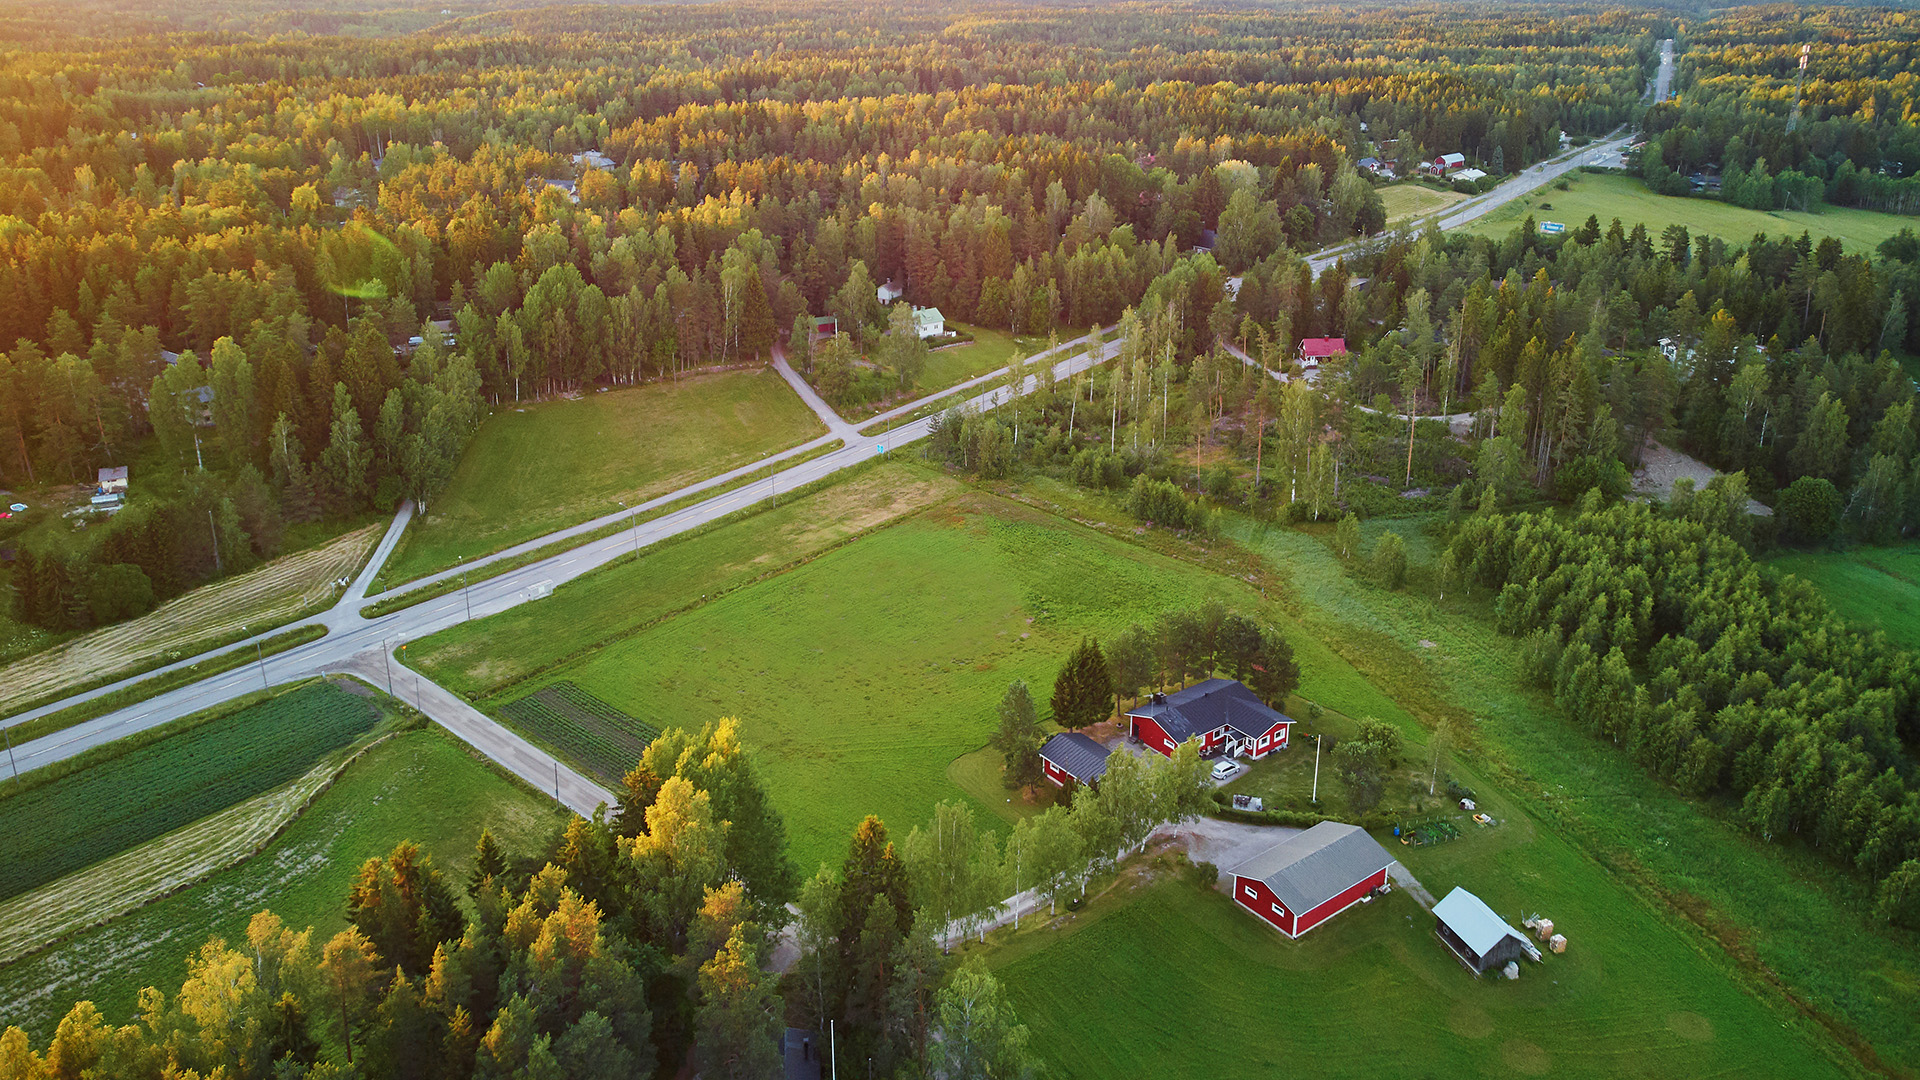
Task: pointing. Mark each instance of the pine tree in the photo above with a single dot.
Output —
(1083, 690)
(489, 863)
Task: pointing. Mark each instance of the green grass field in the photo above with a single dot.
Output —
(1407, 200)
(861, 676)
(421, 786)
(1627, 198)
(58, 827)
(543, 466)
(989, 350)
(1175, 981)
(1875, 587)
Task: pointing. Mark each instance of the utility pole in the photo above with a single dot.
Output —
(386, 655)
(1316, 768)
(464, 594)
(10, 760)
(556, 779)
(216, 542)
(260, 655)
(833, 1050)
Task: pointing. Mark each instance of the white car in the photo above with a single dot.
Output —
(1223, 769)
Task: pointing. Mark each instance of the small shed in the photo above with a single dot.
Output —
(889, 292)
(1073, 756)
(1479, 938)
(825, 326)
(112, 481)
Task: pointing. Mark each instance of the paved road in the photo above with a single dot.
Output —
(356, 644)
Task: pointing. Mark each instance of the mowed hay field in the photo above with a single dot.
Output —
(421, 786)
(1608, 196)
(1165, 978)
(258, 598)
(537, 467)
(1875, 587)
(1407, 200)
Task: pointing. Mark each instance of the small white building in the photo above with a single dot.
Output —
(929, 322)
(890, 292)
(593, 159)
(1470, 174)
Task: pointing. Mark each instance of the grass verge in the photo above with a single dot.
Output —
(410, 597)
(160, 684)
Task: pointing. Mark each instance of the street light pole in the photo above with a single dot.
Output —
(10, 759)
(260, 655)
(1316, 767)
(464, 594)
(386, 655)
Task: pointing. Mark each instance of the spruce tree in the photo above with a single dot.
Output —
(1082, 692)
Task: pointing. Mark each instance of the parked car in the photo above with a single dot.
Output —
(1223, 769)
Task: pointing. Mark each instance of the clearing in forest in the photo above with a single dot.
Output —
(180, 627)
(1408, 200)
(540, 466)
(1626, 197)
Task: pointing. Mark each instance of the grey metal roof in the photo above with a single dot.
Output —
(1076, 754)
(1472, 921)
(1315, 866)
(1208, 705)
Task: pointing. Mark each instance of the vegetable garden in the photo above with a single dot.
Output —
(597, 736)
(58, 827)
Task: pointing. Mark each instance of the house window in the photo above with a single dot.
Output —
(1249, 889)
(1280, 911)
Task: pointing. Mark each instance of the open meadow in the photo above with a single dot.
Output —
(1608, 196)
(1164, 978)
(422, 786)
(1877, 588)
(1407, 201)
(541, 466)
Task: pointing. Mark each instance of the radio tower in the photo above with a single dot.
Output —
(1794, 120)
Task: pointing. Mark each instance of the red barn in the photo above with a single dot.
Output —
(1311, 877)
(1315, 349)
(1073, 756)
(1224, 715)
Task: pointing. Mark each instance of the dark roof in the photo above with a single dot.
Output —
(1077, 755)
(1315, 866)
(1205, 706)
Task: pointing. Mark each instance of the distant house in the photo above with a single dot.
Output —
(1446, 163)
(203, 417)
(1315, 349)
(1223, 714)
(346, 198)
(890, 292)
(1470, 175)
(535, 186)
(111, 490)
(1369, 164)
(825, 326)
(929, 323)
(1312, 876)
(1478, 937)
(1073, 756)
(169, 357)
(593, 159)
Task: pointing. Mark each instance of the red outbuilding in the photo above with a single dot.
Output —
(1071, 756)
(1224, 715)
(1311, 877)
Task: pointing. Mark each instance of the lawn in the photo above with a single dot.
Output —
(1167, 979)
(538, 467)
(1627, 198)
(1408, 200)
(1875, 587)
(421, 786)
(947, 365)
(1779, 908)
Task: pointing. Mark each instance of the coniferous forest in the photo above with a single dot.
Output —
(288, 263)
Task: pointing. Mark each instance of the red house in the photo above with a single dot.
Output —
(1315, 349)
(1311, 877)
(1224, 715)
(1073, 756)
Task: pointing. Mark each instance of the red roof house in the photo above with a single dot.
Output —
(1315, 349)
(1071, 756)
(1312, 876)
(1224, 715)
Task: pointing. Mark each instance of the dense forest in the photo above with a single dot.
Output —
(218, 244)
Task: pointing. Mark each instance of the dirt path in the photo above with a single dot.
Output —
(1662, 465)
